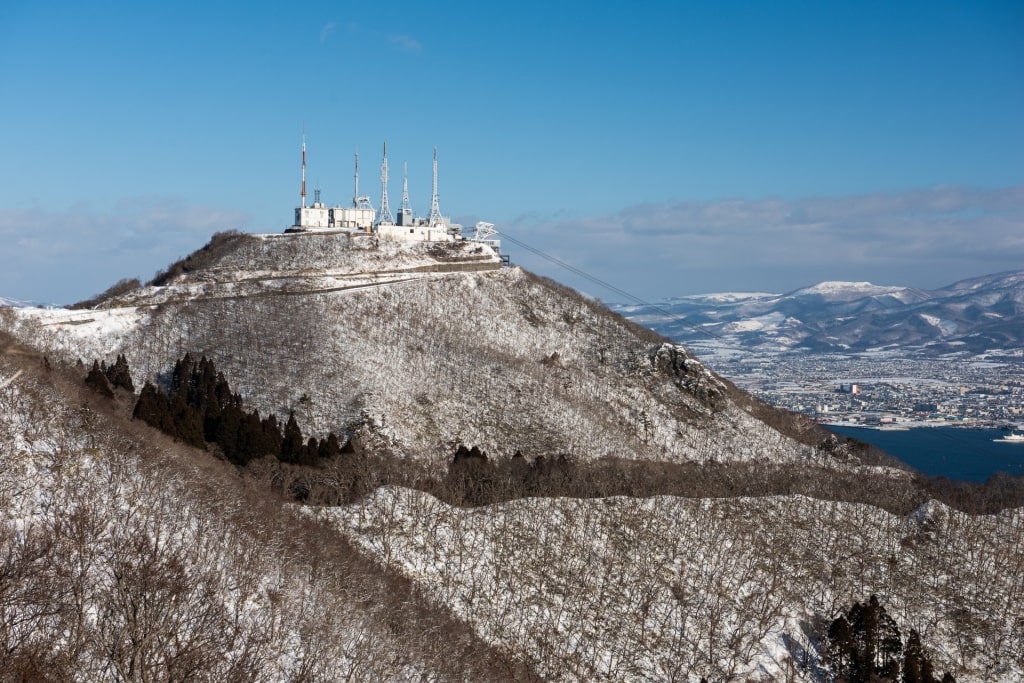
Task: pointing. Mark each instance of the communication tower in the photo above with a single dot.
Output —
(436, 219)
(405, 215)
(384, 216)
(406, 207)
(303, 170)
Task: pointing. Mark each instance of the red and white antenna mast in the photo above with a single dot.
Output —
(303, 169)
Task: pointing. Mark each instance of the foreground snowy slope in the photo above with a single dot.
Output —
(670, 588)
(124, 557)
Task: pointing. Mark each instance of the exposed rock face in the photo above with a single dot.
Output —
(674, 362)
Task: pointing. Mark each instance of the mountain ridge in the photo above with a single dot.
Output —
(430, 346)
(970, 316)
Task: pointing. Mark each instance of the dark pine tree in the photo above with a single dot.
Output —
(181, 376)
(228, 428)
(154, 409)
(251, 440)
(913, 660)
(119, 374)
(310, 453)
(329, 447)
(866, 646)
(863, 619)
(292, 445)
(841, 648)
(272, 437)
(889, 646)
(98, 382)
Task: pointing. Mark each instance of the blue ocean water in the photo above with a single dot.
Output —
(963, 454)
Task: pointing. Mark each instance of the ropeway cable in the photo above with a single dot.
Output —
(621, 292)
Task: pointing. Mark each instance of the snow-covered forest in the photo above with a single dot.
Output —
(624, 513)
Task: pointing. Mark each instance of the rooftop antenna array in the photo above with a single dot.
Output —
(435, 210)
(384, 216)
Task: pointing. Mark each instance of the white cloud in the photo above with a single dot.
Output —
(65, 256)
(403, 42)
(926, 237)
(327, 30)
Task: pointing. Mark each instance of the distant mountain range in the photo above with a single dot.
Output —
(972, 316)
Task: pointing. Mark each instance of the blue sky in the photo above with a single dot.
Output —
(667, 147)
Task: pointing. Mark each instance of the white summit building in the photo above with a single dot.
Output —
(362, 217)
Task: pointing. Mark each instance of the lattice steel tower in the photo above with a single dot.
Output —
(406, 207)
(436, 218)
(384, 216)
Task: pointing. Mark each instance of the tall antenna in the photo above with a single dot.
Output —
(303, 169)
(406, 208)
(359, 201)
(435, 210)
(355, 190)
(385, 211)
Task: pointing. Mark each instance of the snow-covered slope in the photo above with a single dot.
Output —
(976, 315)
(669, 588)
(419, 349)
(833, 291)
(438, 348)
(124, 558)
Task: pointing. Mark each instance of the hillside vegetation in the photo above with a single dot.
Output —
(128, 557)
(523, 485)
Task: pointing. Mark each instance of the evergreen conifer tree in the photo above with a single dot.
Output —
(228, 428)
(841, 647)
(292, 444)
(329, 447)
(310, 453)
(251, 440)
(154, 409)
(272, 437)
(890, 646)
(98, 382)
(119, 374)
(913, 656)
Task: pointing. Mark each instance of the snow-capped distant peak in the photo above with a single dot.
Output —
(726, 297)
(14, 303)
(837, 290)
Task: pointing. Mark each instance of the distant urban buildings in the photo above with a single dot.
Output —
(893, 391)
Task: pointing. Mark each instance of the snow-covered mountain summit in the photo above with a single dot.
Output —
(426, 345)
(976, 315)
(845, 291)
